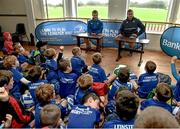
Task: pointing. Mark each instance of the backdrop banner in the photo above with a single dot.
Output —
(170, 41)
(60, 32)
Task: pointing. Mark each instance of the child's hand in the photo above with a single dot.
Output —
(173, 59)
(61, 48)
(3, 94)
(178, 104)
(135, 85)
(8, 121)
(103, 101)
(63, 102)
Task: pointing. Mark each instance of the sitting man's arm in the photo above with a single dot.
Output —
(99, 31)
(141, 26)
(89, 30)
(121, 30)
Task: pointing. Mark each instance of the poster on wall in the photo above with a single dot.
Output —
(170, 41)
(60, 32)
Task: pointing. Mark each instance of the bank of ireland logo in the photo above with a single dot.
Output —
(170, 41)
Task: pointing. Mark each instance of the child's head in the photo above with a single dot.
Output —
(124, 74)
(50, 53)
(163, 92)
(45, 93)
(50, 115)
(76, 51)
(155, 117)
(7, 36)
(150, 67)
(118, 92)
(41, 45)
(6, 79)
(95, 14)
(92, 100)
(35, 73)
(126, 105)
(85, 81)
(97, 58)
(65, 65)
(10, 61)
(18, 48)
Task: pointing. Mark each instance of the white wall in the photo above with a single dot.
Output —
(154, 42)
(13, 7)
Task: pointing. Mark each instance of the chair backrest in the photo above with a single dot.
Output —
(20, 29)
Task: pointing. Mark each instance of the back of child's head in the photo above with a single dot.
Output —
(124, 74)
(9, 61)
(150, 67)
(40, 44)
(17, 47)
(64, 64)
(50, 53)
(50, 115)
(126, 105)
(155, 117)
(163, 92)
(88, 96)
(5, 77)
(97, 58)
(85, 81)
(76, 51)
(35, 73)
(118, 92)
(45, 93)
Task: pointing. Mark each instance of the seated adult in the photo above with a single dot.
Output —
(94, 27)
(129, 28)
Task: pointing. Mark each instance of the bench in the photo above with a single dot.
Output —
(141, 42)
(98, 38)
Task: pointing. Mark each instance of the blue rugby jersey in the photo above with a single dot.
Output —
(77, 65)
(98, 73)
(147, 82)
(116, 85)
(152, 102)
(79, 94)
(22, 59)
(17, 76)
(119, 124)
(33, 86)
(67, 82)
(83, 117)
(38, 109)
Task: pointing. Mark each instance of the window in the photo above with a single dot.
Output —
(85, 8)
(54, 8)
(150, 10)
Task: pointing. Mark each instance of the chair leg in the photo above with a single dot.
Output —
(27, 37)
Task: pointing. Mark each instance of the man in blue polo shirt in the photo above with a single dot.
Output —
(95, 27)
